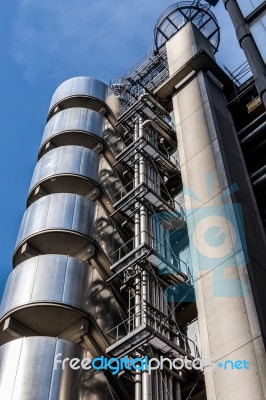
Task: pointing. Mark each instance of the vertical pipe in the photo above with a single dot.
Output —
(170, 387)
(164, 378)
(146, 378)
(176, 390)
(249, 46)
(143, 225)
(157, 393)
(138, 385)
(137, 234)
(160, 384)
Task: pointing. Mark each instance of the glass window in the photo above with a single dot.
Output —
(248, 6)
(258, 30)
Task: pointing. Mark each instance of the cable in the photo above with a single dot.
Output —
(110, 390)
(188, 397)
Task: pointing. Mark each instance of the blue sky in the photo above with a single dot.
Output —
(44, 42)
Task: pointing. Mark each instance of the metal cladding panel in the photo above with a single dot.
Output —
(69, 157)
(89, 164)
(62, 91)
(48, 278)
(9, 361)
(72, 160)
(33, 219)
(85, 86)
(28, 373)
(74, 119)
(56, 124)
(83, 215)
(61, 280)
(99, 90)
(95, 123)
(12, 295)
(77, 120)
(8, 293)
(58, 212)
(77, 285)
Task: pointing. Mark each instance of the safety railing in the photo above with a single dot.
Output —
(159, 193)
(158, 251)
(148, 146)
(152, 317)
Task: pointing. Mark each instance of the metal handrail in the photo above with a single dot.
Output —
(150, 184)
(144, 140)
(135, 321)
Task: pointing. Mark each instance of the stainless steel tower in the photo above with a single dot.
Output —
(142, 237)
(56, 300)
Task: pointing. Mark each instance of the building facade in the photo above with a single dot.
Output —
(144, 233)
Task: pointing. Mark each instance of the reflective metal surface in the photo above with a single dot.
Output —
(96, 387)
(56, 224)
(108, 179)
(75, 91)
(28, 372)
(68, 169)
(74, 126)
(105, 234)
(60, 289)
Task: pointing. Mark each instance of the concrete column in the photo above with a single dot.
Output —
(249, 47)
(228, 268)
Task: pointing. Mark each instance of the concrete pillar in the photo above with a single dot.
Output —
(249, 47)
(228, 267)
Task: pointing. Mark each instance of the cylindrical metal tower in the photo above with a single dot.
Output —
(109, 265)
(56, 301)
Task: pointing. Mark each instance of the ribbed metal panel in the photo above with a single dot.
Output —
(28, 372)
(74, 126)
(68, 169)
(84, 88)
(58, 223)
(39, 287)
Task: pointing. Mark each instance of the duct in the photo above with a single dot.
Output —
(249, 47)
(137, 309)
(258, 173)
(260, 180)
(160, 131)
(146, 378)
(176, 390)
(165, 124)
(252, 124)
(157, 127)
(256, 132)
